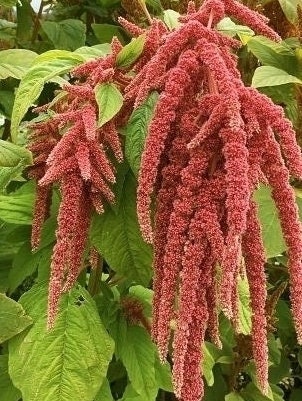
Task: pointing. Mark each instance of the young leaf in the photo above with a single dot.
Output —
(117, 236)
(110, 101)
(136, 131)
(272, 76)
(131, 52)
(13, 319)
(46, 66)
(8, 391)
(67, 363)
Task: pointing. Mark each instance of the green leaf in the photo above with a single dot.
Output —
(130, 394)
(68, 362)
(46, 66)
(208, 363)
(105, 32)
(296, 395)
(7, 390)
(131, 52)
(13, 319)
(91, 52)
(233, 397)
(68, 34)
(138, 356)
(145, 296)
(109, 100)
(8, 3)
(15, 62)
(272, 76)
(228, 27)
(171, 19)
(17, 207)
(13, 159)
(274, 54)
(163, 375)
(290, 9)
(11, 155)
(136, 131)
(104, 393)
(118, 239)
(245, 313)
(156, 5)
(271, 230)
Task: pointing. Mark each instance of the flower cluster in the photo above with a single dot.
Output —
(211, 142)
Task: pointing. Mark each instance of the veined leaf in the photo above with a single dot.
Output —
(110, 101)
(136, 131)
(131, 52)
(227, 26)
(8, 391)
(16, 208)
(13, 319)
(117, 236)
(15, 62)
(46, 66)
(66, 363)
(272, 76)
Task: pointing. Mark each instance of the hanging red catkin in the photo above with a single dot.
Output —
(235, 139)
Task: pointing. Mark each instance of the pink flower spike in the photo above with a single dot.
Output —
(89, 121)
(57, 171)
(82, 156)
(41, 212)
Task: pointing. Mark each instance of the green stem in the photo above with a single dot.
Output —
(95, 279)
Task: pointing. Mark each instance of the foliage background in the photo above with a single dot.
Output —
(96, 351)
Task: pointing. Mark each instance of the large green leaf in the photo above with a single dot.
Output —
(68, 34)
(117, 236)
(138, 356)
(15, 62)
(8, 391)
(67, 363)
(131, 52)
(46, 67)
(272, 76)
(109, 100)
(13, 319)
(136, 131)
(271, 230)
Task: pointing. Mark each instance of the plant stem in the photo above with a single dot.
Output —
(95, 278)
(145, 10)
